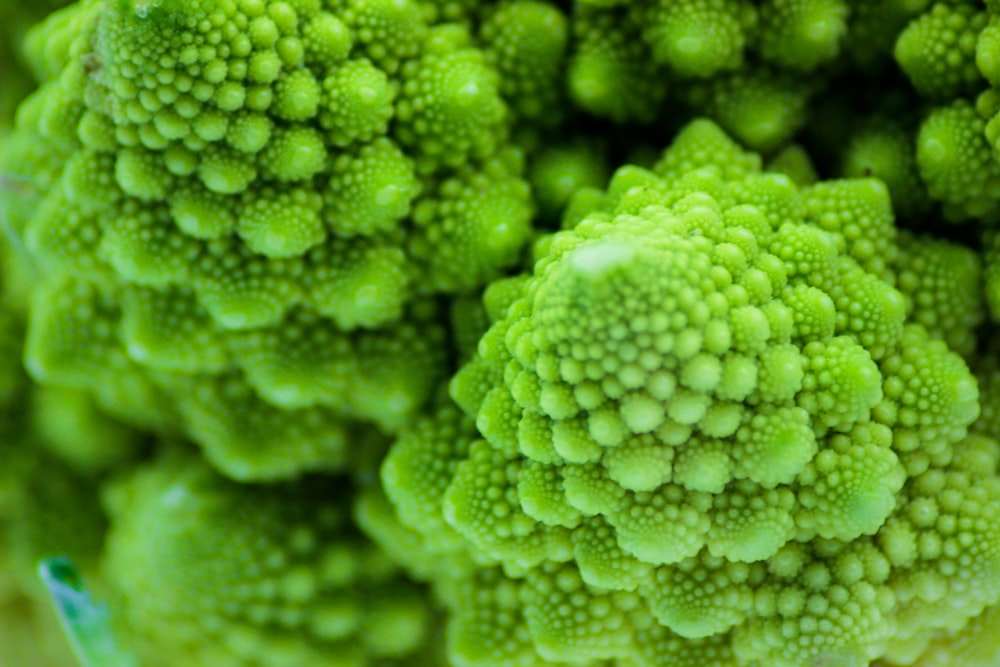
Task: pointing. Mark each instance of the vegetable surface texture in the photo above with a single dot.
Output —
(500, 333)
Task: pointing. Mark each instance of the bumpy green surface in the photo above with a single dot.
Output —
(243, 209)
(724, 420)
(204, 571)
(972, 646)
(706, 433)
(750, 65)
(942, 283)
(937, 50)
(956, 160)
(881, 146)
(951, 55)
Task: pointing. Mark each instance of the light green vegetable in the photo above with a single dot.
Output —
(330, 333)
(705, 420)
(281, 578)
(243, 211)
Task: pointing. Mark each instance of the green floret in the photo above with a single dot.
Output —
(526, 41)
(937, 51)
(421, 466)
(882, 147)
(703, 144)
(929, 399)
(698, 37)
(207, 571)
(560, 170)
(761, 107)
(944, 544)
(837, 595)
(565, 624)
(450, 107)
(611, 72)
(988, 49)
(471, 223)
(942, 284)
(700, 411)
(218, 189)
(489, 623)
(387, 32)
(859, 212)
(77, 325)
(957, 162)
(800, 34)
(357, 102)
(751, 66)
(794, 161)
(371, 190)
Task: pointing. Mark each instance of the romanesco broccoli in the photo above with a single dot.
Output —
(335, 332)
(706, 420)
(243, 210)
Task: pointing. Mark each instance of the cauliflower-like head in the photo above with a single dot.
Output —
(698, 414)
(243, 209)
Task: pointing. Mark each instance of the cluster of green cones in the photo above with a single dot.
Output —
(500, 333)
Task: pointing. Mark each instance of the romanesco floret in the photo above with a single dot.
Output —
(794, 162)
(208, 571)
(881, 146)
(956, 160)
(937, 50)
(942, 284)
(973, 644)
(743, 63)
(228, 198)
(949, 53)
(704, 421)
